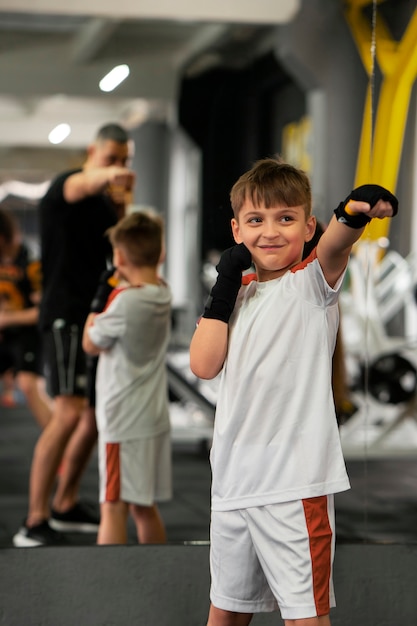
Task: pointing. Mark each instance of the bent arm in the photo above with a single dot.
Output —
(23, 317)
(88, 346)
(90, 182)
(334, 248)
(335, 245)
(208, 348)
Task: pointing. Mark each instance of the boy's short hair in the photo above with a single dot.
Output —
(272, 182)
(140, 236)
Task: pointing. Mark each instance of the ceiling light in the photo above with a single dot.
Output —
(59, 133)
(111, 80)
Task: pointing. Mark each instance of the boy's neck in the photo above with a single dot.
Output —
(141, 276)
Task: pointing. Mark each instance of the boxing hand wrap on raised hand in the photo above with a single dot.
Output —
(222, 298)
(364, 193)
(104, 289)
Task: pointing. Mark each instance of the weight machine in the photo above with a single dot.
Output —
(382, 369)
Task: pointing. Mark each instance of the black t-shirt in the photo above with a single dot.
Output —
(74, 252)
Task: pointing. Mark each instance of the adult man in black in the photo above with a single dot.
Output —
(75, 213)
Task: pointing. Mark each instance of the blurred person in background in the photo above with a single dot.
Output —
(20, 349)
(75, 213)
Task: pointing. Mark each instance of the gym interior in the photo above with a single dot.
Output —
(330, 86)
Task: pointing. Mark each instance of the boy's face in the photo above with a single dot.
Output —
(275, 237)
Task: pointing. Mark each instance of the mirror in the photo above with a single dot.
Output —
(221, 95)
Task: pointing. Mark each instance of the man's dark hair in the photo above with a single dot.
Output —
(112, 132)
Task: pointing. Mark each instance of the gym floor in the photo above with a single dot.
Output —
(380, 507)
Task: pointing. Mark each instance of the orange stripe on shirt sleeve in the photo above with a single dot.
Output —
(112, 472)
(320, 534)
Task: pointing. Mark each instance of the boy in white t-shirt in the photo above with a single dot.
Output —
(276, 457)
(131, 336)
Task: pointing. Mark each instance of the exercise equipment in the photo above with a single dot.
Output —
(382, 368)
(392, 379)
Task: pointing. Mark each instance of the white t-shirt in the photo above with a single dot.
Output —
(276, 437)
(131, 383)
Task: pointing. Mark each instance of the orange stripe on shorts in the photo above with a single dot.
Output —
(112, 472)
(320, 534)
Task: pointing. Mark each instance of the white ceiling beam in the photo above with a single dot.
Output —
(91, 38)
(239, 11)
(23, 73)
(205, 37)
(34, 133)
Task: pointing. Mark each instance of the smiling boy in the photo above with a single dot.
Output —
(276, 457)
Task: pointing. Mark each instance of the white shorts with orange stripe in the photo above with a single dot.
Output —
(274, 556)
(137, 472)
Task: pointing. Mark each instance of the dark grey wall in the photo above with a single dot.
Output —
(151, 164)
(169, 586)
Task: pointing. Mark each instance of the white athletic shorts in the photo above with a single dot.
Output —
(137, 472)
(274, 556)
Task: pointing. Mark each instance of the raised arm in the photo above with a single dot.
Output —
(92, 181)
(347, 225)
(208, 347)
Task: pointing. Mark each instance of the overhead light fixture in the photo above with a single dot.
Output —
(113, 79)
(59, 133)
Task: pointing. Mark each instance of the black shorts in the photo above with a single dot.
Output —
(20, 351)
(65, 367)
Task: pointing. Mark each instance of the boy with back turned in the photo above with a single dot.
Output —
(79, 206)
(131, 338)
(276, 457)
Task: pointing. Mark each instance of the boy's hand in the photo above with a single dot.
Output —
(221, 301)
(234, 261)
(364, 203)
(104, 289)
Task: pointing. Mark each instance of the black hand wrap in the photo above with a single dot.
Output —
(221, 301)
(365, 193)
(104, 289)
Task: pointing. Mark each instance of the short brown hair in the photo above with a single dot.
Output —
(272, 182)
(140, 236)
